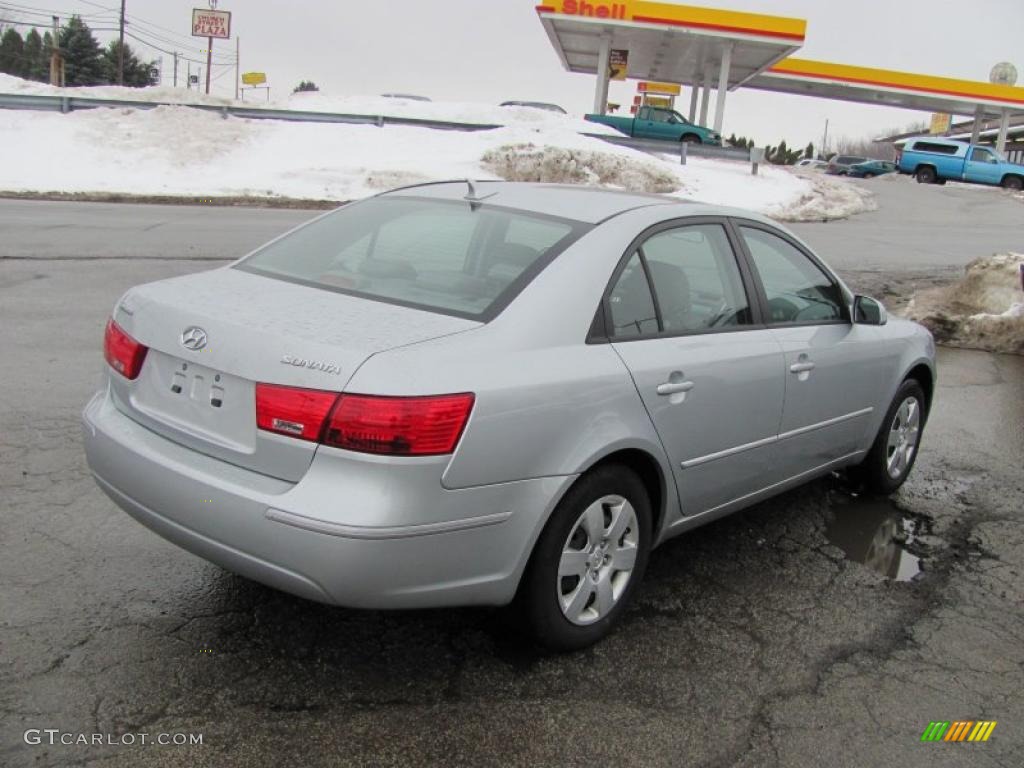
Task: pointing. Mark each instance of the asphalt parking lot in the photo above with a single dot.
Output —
(788, 635)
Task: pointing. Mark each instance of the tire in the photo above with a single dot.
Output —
(925, 175)
(869, 175)
(610, 490)
(1015, 183)
(690, 138)
(875, 472)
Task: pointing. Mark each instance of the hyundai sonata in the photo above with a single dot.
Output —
(479, 393)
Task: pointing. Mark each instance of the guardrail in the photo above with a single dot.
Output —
(72, 103)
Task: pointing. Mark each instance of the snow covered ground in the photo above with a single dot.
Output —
(175, 150)
(983, 310)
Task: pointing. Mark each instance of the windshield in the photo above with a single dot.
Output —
(443, 256)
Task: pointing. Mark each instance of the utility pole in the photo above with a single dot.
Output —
(824, 142)
(238, 54)
(175, 69)
(120, 49)
(55, 53)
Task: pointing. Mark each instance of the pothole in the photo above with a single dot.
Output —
(875, 532)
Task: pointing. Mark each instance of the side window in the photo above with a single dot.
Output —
(982, 156)
(797, 289)
(659, 116)
(631, 304)
(696, 279)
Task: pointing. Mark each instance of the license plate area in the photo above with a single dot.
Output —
(197, 401)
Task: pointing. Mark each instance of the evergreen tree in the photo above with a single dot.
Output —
(46, 53)
(305, 85)
(82, 56)
(136, 72)
(809, 150)
(36, 62)
(12, 53)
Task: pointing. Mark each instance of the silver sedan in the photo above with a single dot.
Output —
(492, 393)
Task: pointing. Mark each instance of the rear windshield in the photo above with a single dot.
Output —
(443, 256)
(931, 146)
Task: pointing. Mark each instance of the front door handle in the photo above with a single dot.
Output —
(674, 387)
(801, 367)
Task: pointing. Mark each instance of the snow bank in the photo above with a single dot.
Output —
(983, 310)
(558, 165)
(175, 150)
(828, 198)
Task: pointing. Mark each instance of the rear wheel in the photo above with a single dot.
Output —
(1013, 182)
(869, 175)
(589, 560)
(925, 175)
(894, 451)
(690, 138)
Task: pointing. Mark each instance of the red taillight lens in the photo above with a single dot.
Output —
(124, 354)
(292, 411)
(399, 426)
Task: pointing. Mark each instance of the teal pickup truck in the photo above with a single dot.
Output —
(657, 123)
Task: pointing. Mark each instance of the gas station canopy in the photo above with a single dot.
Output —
(672, 43)
(868, 85)
(713, 48)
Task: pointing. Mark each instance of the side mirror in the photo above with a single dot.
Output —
(868, 311)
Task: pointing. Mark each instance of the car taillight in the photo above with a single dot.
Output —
(124, 354)
(399, 426)
(293, 411)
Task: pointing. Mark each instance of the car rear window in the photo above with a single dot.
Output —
(445, 256)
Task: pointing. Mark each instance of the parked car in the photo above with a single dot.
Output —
(839, 165)
(535, 105)
(658, 123)
(408, 96)
(808, 164)
(932, 159)
(457, 394)
(870, 169)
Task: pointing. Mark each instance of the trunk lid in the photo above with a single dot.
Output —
(213, 335)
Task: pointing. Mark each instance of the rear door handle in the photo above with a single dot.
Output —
(674, 387)
(801, 367)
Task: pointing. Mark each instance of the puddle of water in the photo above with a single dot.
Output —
(876, 533)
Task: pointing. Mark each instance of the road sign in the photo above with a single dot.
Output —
(207, 23)
(617, 63)
(254, 78)
(193, 79)
(659, 101)
(940, 123)
(671, 89)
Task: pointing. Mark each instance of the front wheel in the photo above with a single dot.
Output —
(690, 138)
(1015, 183)
(589, 560)
(894, 451)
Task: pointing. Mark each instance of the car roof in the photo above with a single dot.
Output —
(566, 201)
(591, 205)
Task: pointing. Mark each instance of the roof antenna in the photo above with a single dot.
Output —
(473, 197)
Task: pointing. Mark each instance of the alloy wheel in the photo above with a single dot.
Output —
(903, 436)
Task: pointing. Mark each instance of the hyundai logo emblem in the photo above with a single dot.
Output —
(193, 338)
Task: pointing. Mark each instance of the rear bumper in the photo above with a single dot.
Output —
(356, 531)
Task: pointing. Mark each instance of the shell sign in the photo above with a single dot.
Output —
(207, 23)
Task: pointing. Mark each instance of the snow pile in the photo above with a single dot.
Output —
(558, 165)
(828, 198)
(178, 151)
(983, 310)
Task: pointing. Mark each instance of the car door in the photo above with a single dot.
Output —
(982, 166)
(835, 372)
(710, 376)
(645, 125)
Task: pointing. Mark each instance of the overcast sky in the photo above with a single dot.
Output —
(493, 50)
